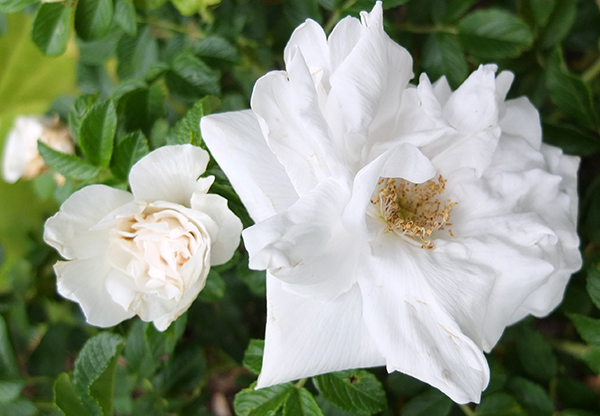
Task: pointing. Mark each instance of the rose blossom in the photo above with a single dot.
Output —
(148, 252)
(21, 157)
(401, 226)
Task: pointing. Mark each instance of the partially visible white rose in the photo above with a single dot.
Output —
(146, 253)
(21, 158)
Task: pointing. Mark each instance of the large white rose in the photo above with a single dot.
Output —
(399, 225)
(21, 157)
(146, 253)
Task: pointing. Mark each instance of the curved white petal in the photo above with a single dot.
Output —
(411, 328)
(71, 230)
(310, 39)
(84, 281)
(523, 120)
(307, 337)
(227, 240)
(236, 142)
(169, 173)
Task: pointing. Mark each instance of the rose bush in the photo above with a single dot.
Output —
(399, 225)
(148, 252)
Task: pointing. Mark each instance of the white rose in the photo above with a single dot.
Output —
(21, 157)
(148, 252)
(401, 226)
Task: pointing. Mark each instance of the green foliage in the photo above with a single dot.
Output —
(253, 355)
(430, 403)
(92, 18)
(96, 135)
(262, 402)
(52, 27)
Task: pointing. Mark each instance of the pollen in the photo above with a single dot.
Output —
(415, 210)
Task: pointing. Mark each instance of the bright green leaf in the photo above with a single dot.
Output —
(128, 151)
(494, 34)
(442, 55)
(15, 6)
(300, 402)
(430, 403)
(532, 397)
(187, 130)
(356, 391)
(80, 108)
(262, 402)
(97, 133)
(559, 24)
(253, 355)
(51, 28)
(535, 354)
(499, 404)
(588, 328)
(92, 18)
(66, 398)
(125, 16)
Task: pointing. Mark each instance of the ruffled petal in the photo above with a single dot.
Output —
(236, 142)
(307, 337)
(523, 120)
(309, 38)
(84, 282)
(71, 230)
(169, 173)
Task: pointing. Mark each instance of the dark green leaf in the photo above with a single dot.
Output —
(356, 391)
(66, 398)
(162, 344)
(388, 4)
(81, 106)
(128, 151)
(8, 361)
(593, 284)
(216, 47)
(537, 11)
(297, 11)
(187, 130)
(137, 353)
(97, 133)
(591, 356)
(52, 28)
(256, 280)
(442, 55)
(67, 165)
(93, 376)
(430, 403)
(300, 402)
(253, 355)
(499, 404)
(456, 8)
(535, 354)
(136, 55)
(571, 139)
(149, 4)
(10, 389)
(570, 93)
(559, 24)
(184, 372)
(532, 397)
(92, 18)
(588, 328)
(18, 407)
(93, 79)
(262, 402)
(190, 77)
(214, 290)
(125, 16)
(98, 51)
(15, 6)
(127, 86)
(494, 34)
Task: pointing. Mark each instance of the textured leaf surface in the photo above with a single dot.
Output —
(253, 355)
(262, 402)
(92, 18)
(430, 403)
(51, 28)
(300, 402)
(97, 133)
(128, 151)
(70, 166)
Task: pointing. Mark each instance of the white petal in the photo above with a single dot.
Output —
(523, 120)
(310, 39)
(442, 90)
(404, 161)
(227, 239)
(306, 337)
(503, 82)
(70, 230)
(306, 246)
(411, 328)
(169, 173)
(236, 142)
(84, 281)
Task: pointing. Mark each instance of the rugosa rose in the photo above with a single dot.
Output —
(399, 225)
(21, 157)
(146, 253)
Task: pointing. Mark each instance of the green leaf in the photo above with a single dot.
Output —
(97, 133)
(125, 16)
(216, 47)
(137, 353)
(187, 130)
(537, 11)
(93, 79)
(535, 354)
(571, 139)
(190, 77)
(559, 24)
(430, 403)
(92, 18)
(8, 360)
(215, 287)
(534, 399)
(388, 4)
(494, 34)
(10, 389)
(128, 151)
(19, 407)
(570, 93)
(593, 284)
(93, 376)
(297, 11)
(136, 54)
(499, 404)
(183, 373)
(256, 280)
(15, 6)
(52, 28)
(456, 8)
(588, 328)
(356, 391)
(300, 402)
(162, 344)
(253, 355)
(81, 106)
(442, 55)
(66, 398)
(262, 402)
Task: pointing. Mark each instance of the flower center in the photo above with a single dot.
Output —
(414, 210)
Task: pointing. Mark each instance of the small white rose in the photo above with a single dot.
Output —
(21, 158)
(146, 253)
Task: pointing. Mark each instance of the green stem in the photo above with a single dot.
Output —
(572, 348)
(592, 72)
(335, 16)
(301, 383)
(467, 410)
(412, 28)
